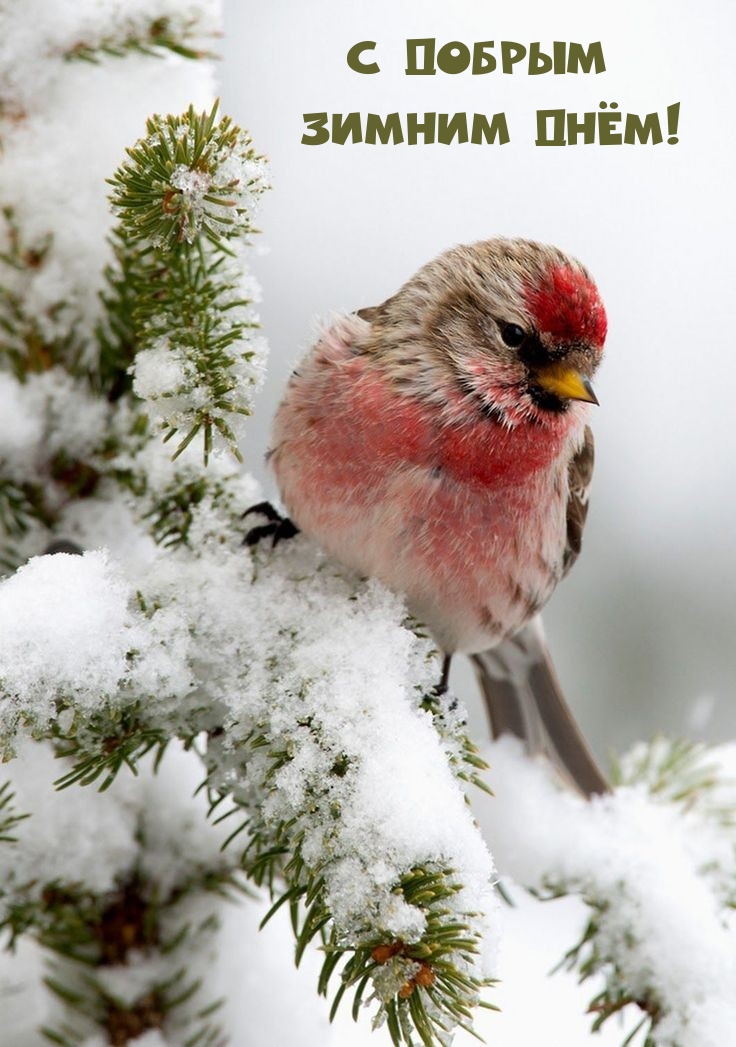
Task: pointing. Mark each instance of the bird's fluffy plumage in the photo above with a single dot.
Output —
(418, 447)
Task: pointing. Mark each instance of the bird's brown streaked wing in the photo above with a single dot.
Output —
(373, 313)
(524, 698)
(580, 474)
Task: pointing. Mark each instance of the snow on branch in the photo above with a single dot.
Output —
(185, 199)
(129, 925)
(310, 698)
(311, 690)
(67, 439)
(40, 38)
(656, 863)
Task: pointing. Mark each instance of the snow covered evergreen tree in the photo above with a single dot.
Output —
(130, 354)
(300, 698)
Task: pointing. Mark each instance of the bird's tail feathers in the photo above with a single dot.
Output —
(524, 698)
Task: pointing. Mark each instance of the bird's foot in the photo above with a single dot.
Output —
(442, 685)
(277, 528)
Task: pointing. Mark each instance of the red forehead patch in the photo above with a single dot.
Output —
(567, 306)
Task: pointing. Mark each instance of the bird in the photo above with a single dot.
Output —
(440, 443)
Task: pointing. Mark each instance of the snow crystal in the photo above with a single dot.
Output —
(226, 196)
(393, 975)
(167, 380)
(160, 371)
(193, 184)
(194, 187)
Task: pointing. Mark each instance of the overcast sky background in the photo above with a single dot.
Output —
(643, 629)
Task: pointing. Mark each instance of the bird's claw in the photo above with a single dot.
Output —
(442, 686)
(278, 527)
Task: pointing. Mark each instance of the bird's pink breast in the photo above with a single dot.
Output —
(488, 454)
(466, 519)
(372, 420)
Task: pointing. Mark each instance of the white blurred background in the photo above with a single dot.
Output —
(643, 630)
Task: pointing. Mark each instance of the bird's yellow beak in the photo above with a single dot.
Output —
(564, 381)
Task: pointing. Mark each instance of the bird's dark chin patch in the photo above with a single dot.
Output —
(547, 401)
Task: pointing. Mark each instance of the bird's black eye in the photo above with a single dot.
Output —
(513, 335)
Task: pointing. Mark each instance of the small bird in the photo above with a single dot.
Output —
(439, 443)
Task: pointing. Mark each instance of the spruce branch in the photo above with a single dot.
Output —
(26, 347)
(420, 987)
(91, 936)
(346, 803)
(9, 819)
(24, 509)
(123, 940)
(590, 958)
(180, 311)
(123, 744)
(655, 864)
(153, 37)
(450, 722)
(423, 986)
(679, 772)
(116, 335)
(192, 175)
(179, 322)
(17, 508)
(175, 507)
